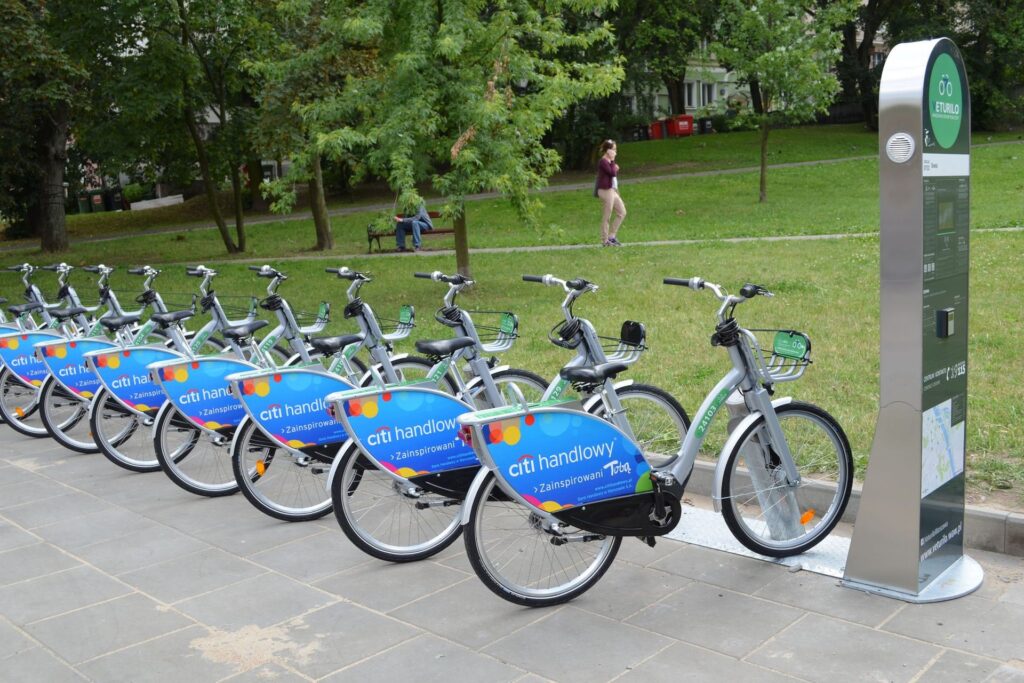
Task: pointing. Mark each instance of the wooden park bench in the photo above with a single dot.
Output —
(375, 234)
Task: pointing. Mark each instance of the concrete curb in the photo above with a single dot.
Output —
(997, 531)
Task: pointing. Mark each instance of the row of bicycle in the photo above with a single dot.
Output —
(546, 477)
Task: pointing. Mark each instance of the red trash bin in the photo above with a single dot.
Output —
(657, 129)
(681, 126)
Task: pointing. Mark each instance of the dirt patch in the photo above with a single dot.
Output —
(252, 646)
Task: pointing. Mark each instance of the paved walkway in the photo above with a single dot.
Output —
(107, 575)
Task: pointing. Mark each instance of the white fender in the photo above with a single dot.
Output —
(474, 491)
(734, 437)
(337, 461)
(595, 398)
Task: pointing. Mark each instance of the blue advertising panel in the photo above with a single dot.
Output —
(559, 459)
(66, 362)
(18, 354)
(290, 404)
(407, 430)
(198, 388)
(125, 374)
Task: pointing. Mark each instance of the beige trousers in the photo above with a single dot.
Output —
(611, 201)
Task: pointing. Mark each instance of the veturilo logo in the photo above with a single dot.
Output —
(945, 101)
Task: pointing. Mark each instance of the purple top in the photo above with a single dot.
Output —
(606, 170)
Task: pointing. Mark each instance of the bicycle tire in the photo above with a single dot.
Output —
(121, 434)
(360, 493)
(515, 557)
(530, 384)
(827, 461)
(190, 457)
(60, 423)
(19, 406)
(658, 422)
(274, 480)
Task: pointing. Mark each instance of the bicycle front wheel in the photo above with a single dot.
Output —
(66, 417)
(389, 519)
(522, 561)
(276, 481)
(658, 422)
(764, 512)
(193, 459)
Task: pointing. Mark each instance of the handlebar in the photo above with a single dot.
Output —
(438, 276)
(53, 267)
(24, 267)
(576, 284)
(347, 274)
(267, 271)
(534, 278)
(200, 271)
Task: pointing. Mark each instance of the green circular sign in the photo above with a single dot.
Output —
(945, 101)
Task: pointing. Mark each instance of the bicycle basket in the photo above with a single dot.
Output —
(627, 347)
(402, 327)
(498, 331)
(312, 323)
(789, 358)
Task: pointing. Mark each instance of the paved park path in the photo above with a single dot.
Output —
(111, 576)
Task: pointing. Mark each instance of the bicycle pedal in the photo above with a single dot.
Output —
(317, 470)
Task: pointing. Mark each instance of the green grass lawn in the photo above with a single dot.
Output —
(637, 159)
(836, 198)
(827, 288)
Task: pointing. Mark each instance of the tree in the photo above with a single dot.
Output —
(659, 39)
(41, 76)
(463, 94)
(309, 63)
(787, 55)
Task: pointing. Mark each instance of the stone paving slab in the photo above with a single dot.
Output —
(107, 575)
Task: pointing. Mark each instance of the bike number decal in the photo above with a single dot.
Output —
(290, 406)
(561, 459)
(411, 432)
(199, 390)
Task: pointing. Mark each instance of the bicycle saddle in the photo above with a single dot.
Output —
(592, 374)
(331, 345)
(244, 330)
(116, 322)
(65, 313)
(18, 309)
(171, 317)
(443, 347)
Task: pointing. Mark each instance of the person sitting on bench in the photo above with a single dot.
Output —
(416, 224)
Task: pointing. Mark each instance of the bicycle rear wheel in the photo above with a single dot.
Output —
(388, 519)
(192, 458)
(276, 481)
(523, 562)
(122, 436)
(19, 406)
(766, 514)
(66, 417)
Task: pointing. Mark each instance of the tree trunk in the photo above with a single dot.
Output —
(763, 193)
(755, 97)
(676, 93)
(461, 243)
(255, 172)
(239, 204)
(53, 145)
(211, 189)
(317, 202)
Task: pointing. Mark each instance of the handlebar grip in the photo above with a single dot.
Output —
(91, 269)
(332, 271)
(136, 271)
(677, 281)
(533, 278)
(577, 284)
(424, 276)
(194, 272)
(52, 268)
(15, 269)
(256, 268)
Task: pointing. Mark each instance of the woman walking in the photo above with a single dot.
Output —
(607, 190)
